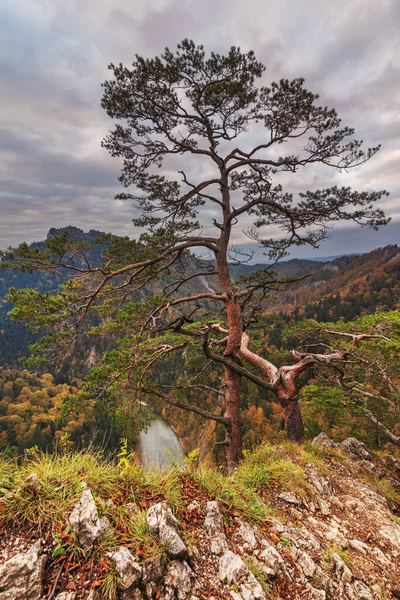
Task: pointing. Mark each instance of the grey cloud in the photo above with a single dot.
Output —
(54, 55)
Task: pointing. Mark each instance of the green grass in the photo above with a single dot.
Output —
(166, 482)
(268, 464)
(58, 487)
(254, 566)
(233, 494)
(385, 488)
(343, 554)
(111, 584)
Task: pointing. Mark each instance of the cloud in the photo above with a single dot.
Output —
(54, 56)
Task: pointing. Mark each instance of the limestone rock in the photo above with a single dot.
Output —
(342, 571)
(379, 555)
(21, 576)
(214, 525)
(306, 564)
(246, 532)
(359, 546)
(127, 568)
(321, 484)
(323, 506)
(178, 581)
(160, 513)
(85, 521)
(314, 594)
(391, 531)
(233, 571)
(131, 508)
(358, 591)
(355, 449)
(66, 596)
(336, 536)
(290, 498)
(323, 441)
(163, 523)
(274, 563)
(153, 570)
(193, 506)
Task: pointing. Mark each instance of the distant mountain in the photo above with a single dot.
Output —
(342, 287)
(347, 287)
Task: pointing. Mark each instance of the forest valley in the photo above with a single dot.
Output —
(51, 407)
(182, 322)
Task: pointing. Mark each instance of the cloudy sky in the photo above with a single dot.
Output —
(54, 56)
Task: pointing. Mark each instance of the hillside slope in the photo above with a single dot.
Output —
(344, 287)
(313, 522)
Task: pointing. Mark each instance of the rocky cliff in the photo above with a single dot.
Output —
(315, 522)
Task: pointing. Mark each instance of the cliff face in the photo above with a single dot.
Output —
(315, 522)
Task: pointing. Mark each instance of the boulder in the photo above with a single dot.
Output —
(162, 522)
(85, 521)
(214, 526)
(306, 564)
(359, 546)
(233, 571)
(342, 571)
(178, 581)
(358, 591)
(323, 441)
(290, 498)
(323, 506)
(21, 576)
(336, 536)
(380, 556)
(391, 531)
(321, 484)
(126, 567)
(153, 569)
(315, 594)
(355, 449)
(247, 533)
(274, 563)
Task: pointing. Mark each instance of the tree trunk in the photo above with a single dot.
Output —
(294, 422)
(232, 412)
(235, 328)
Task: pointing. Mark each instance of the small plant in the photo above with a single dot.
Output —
(67, 544)
(285, 541)
(342, 553)
(146, 545)
(126, 460)
(192, 459)
(111, 584)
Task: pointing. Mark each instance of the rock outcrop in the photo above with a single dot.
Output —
(336, 538)
(85, 521)
(21, 577)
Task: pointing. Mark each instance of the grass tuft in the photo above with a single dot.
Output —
(254, 566)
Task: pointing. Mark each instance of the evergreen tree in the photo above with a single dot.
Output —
(187, 112)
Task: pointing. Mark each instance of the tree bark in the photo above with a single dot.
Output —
(294, 422)
(232, 412)
(235, 330)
